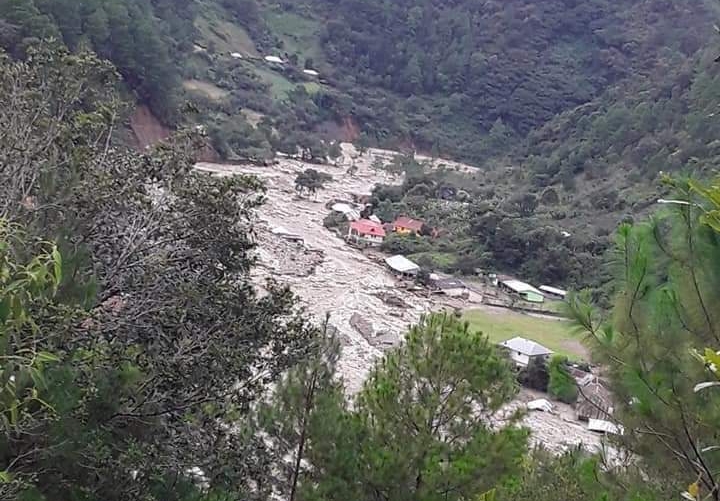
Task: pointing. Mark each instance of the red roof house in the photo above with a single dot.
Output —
(367, 232)
(406, 225)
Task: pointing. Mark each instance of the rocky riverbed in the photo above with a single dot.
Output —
(331, 277)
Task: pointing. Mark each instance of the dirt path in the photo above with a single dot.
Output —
(329, 276)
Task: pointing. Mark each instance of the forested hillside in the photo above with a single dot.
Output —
(573, 107)
(143, 38)
(475, 65)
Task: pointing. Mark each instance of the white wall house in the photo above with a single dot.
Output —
(522, 350)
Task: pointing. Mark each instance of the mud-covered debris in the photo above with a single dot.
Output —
(363, 326)
(392, 300)
(385, 340)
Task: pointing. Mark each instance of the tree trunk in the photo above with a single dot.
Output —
(303, 437)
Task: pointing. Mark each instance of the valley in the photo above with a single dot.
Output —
(331, 277)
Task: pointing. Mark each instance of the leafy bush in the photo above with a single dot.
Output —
(561, 384)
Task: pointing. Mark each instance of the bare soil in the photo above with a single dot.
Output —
(206, 88)
(148, 130)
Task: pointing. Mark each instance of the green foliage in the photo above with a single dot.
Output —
(663, 316)
(174, 345)
(311, 180)
(536, 375)
(561, 384)
(575, 476)
(141, 37)
(421, 427)
(304, 400)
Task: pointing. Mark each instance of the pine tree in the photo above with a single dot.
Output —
(298, 404)
(666, 312)
(422, 426)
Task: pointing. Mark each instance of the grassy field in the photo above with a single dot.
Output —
(227, 36)
(501, 325)
(280, 86)
(210, 90)
(299, 34)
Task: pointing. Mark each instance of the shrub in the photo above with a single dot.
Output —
(561, 384)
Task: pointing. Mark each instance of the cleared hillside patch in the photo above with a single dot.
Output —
(226, 36)
(206, 88)
(300, 35)
(279, 85)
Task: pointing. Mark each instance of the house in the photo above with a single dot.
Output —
(402, 266)
(274, 60)
(407, 226)
(594, 400)
(553, 292)
(525, 291)
(523, 350)
(365, 232)
(452, 287)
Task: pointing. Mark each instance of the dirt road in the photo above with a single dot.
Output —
(329, 276)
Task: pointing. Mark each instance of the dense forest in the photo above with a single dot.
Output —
(137, 357)
(143, 38)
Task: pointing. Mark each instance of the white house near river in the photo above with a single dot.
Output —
(523, 350)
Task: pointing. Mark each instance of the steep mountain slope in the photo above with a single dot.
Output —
(571, 108)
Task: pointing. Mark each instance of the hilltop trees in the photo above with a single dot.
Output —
(134, 34)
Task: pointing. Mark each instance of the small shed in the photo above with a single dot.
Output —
(523, 350)
(402, 265)
(525, 291)
(449, 286)
(540, 404)
(602, 426)
(287, 235)
(553, 292)
(350, 212)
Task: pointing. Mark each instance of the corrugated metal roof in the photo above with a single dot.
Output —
(553, 290)
(367, 227)
(526, 347)
(401, 264)
(406, 222)
(519, 286)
